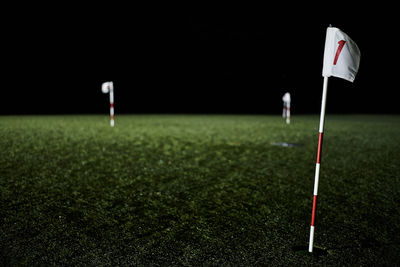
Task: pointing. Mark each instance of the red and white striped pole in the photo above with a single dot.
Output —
(108, 87)
(112, 104)
(318, 164)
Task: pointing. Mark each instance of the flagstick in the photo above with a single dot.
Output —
(112, 105)
(317, 166)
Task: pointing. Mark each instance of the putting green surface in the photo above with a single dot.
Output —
(198, 190)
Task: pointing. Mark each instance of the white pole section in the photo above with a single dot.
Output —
(317, 166)
(112, 104)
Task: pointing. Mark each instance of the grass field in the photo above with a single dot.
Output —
(175, 190)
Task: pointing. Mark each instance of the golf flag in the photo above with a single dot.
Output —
(341, 55)
(341, 59)
(286, 107)
(108, 87)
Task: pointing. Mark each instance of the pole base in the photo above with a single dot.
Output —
(311, 243)
(317, 251)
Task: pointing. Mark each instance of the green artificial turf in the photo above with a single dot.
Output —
(198, 190)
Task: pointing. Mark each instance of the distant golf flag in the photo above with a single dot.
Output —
(108, 87)
(341, 59)
(286, 107)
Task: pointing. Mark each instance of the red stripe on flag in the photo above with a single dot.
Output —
(314, 206)
(319, 152)
(339, 49)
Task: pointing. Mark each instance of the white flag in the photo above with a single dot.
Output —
(286, 98)
(106, 87)
(341, 55)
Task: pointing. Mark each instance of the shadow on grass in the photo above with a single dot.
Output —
(317, 251)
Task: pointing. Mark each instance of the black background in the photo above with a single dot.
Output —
(193, 59)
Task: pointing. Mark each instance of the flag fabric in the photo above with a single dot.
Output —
(286, 98)
(341, 55)
(106, 87)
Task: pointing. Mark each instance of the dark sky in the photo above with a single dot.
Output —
(197, 59)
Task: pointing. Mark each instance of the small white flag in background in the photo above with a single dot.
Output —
(341, 56)
(286, 107)
(108, 87)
